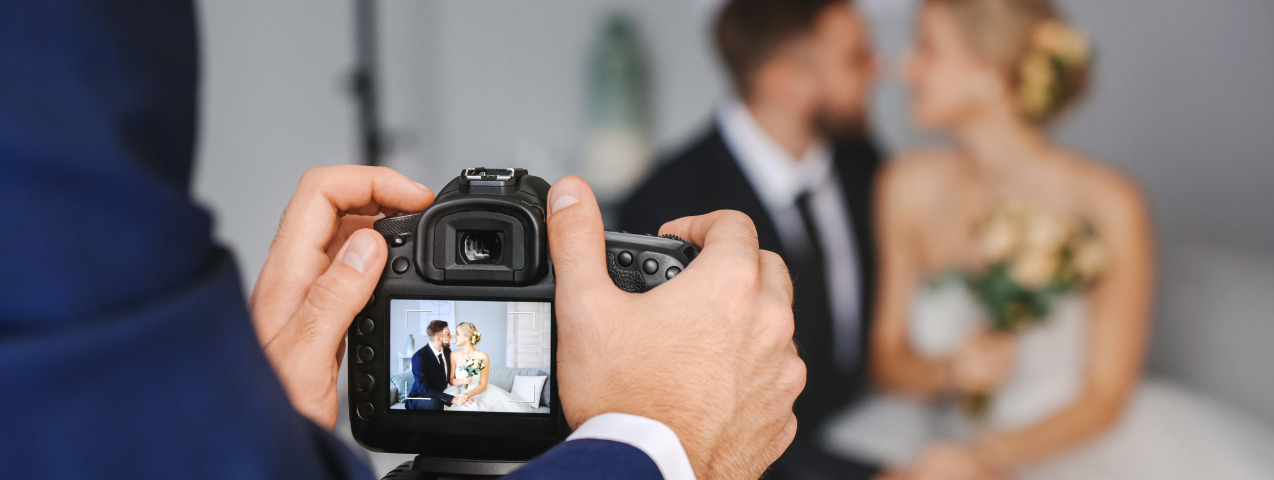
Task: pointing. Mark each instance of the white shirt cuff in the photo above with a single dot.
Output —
(653, 438)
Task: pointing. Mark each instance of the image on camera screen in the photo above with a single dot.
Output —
(470, 356)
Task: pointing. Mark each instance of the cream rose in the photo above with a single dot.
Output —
(1034, 268)
(1090, 259)
(999, 240)
(1046, 232)
(1063, 41)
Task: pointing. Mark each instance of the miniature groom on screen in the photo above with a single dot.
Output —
(429, 367)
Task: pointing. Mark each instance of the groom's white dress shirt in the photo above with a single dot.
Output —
(779, 179)
(438, 355)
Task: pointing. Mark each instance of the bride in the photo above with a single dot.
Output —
(483, 397)
(1066, 396)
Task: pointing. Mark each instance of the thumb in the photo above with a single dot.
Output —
(577, 239)
(340, 293)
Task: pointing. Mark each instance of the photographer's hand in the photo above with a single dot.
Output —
(728, 315)
(323, 265)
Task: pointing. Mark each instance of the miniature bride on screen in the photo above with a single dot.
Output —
(470, 375)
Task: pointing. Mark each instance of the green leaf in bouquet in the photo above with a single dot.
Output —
(1008, 305)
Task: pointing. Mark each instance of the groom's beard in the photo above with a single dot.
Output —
(837, 127)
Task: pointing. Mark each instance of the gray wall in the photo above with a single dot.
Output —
(492, 320)
(1182, 102)
(273, 104)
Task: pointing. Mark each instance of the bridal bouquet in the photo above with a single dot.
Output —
(472, 368)
(1029, 259)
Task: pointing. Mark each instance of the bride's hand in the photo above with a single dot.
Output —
(984, 362)
(945, 461)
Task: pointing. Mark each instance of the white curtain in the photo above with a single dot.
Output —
(529, 339)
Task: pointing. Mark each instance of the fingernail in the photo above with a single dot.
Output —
(564, 194)
(360, 251)
(421, 185)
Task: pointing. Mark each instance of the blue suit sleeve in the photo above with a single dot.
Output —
(590, 459)
(421, 386)
(127, 351)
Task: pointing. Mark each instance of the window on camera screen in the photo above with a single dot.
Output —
(470, 356)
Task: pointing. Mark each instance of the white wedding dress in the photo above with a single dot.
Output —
(493, 399)
(1165, 432)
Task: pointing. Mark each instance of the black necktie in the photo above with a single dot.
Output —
(814, 242)
(814, 321)
(441, 362)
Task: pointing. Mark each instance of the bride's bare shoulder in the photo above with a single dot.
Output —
(1108, 191)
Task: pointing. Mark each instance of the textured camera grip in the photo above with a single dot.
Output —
(627, 280)
(639, 263)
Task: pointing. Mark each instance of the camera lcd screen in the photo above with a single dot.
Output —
(470, 356)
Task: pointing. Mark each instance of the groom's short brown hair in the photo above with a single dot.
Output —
(749, 32)
(435, 327)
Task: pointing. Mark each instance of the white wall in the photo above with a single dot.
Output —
(1182, 101)
(504, 82)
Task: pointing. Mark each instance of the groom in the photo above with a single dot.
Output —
(792, 152)
(430, 366)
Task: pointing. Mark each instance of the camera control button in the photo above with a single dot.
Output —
(366, 354)
(672, 272)
(625, 259)
(366, 326)
(366, 382)
(365, 410)
(401, 264)
(650, 266)
(398, 241)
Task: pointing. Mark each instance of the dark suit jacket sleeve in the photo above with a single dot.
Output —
(127, 349)
(590, 459)
(418, 365)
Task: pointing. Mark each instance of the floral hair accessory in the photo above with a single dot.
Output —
(1053, 72)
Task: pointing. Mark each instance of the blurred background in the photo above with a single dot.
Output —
(1182, 102)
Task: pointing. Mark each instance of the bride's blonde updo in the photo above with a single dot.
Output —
(470, 330)
(1048, 63)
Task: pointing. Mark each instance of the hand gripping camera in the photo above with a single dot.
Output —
(453, 357)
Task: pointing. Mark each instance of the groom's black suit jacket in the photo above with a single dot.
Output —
(705, 178)
(431, 376)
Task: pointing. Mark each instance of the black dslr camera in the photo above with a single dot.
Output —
(476, 266)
